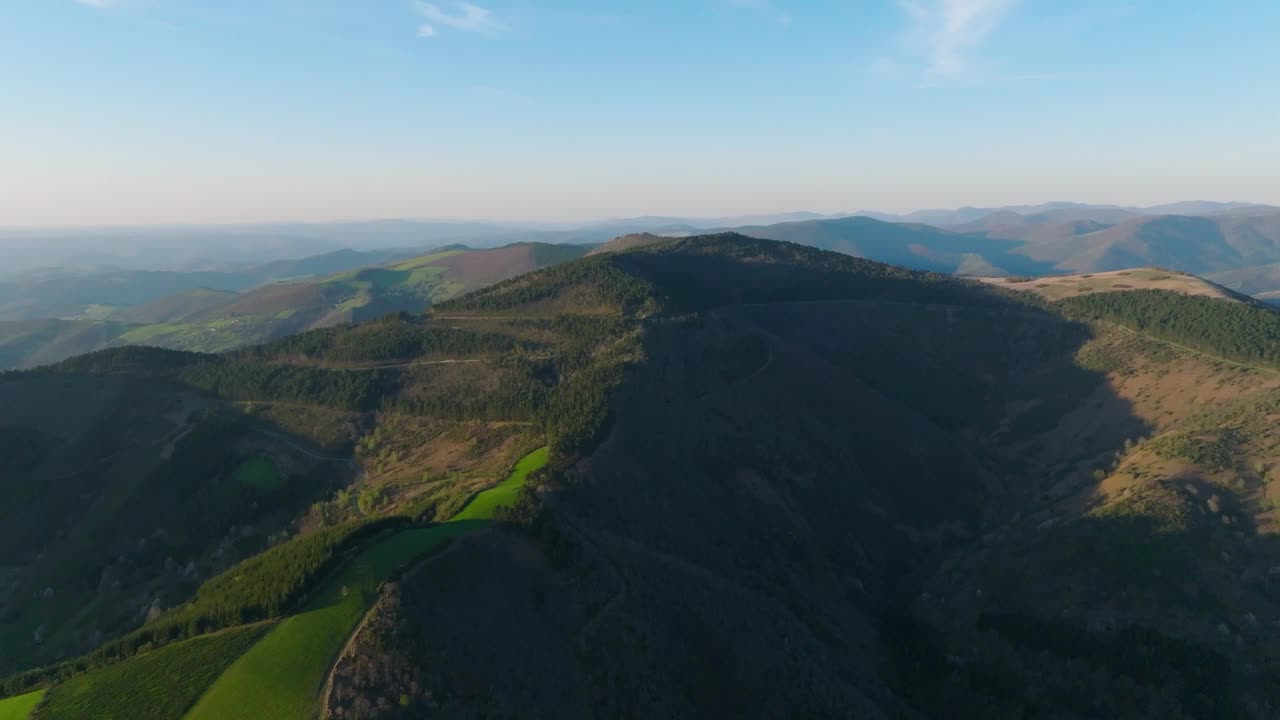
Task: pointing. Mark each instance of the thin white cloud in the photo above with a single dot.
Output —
(100, 4)
(462, 16)
(949, 31)
(764, 6)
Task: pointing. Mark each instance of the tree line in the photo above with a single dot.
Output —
(1235, 330)
(396, 336)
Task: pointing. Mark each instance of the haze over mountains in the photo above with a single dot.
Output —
(224, 247)
(54, 312)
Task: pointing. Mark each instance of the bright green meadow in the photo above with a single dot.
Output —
(20, 707)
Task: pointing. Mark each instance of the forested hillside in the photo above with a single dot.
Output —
(776, 481)
(1237, 331)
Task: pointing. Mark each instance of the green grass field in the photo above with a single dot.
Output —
(425, 260)
(20, 707)
(483, 505)
(157, 685)
(281, 677)
(259, 472)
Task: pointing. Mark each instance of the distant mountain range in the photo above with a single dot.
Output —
(1058, 211)
(1067, 240)
(232, 248)
(50, 313)
(223, 248)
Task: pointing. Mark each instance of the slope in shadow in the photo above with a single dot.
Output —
(807, 440)
(121, 492)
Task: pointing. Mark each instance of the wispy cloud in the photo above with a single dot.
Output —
(462, 16)
(947, 32)
(100, 4)
(766, 7)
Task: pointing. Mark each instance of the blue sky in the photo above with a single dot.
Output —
(150, 111)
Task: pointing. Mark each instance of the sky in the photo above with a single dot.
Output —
(229, 111)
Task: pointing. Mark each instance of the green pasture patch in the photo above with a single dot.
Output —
(19, 707)
(504, 493)
(425, 260)
(281, 677)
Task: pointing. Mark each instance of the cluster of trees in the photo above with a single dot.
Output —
(255, 380)
(396, 336)
(1234, 330)
(133, 359)
(269, 583)
(1199, 678)
(598, 278)
(1219, 451)
(520, 393)
(712, 270)
(577, 413)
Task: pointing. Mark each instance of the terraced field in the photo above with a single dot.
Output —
(281, 677)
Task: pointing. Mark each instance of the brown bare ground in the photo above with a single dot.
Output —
(1148, 397)
(486, 267)
(1064, 286)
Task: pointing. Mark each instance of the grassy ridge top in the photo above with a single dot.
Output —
(1058, 287)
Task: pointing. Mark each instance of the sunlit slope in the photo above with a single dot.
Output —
(215, 321)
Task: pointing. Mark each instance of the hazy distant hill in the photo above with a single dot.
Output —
(176, 307)
(911, 245)
(95, 293)
(215, 320)
(1060, 211)
(1042, 243)
(1253, 280)
(1195, 244)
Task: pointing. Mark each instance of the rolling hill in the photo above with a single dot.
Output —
(213, 320)
(1235, 243)
(1010, 243)
(1064, 211)
(778, 481)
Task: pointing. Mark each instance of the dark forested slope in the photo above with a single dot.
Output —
(783, 482)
